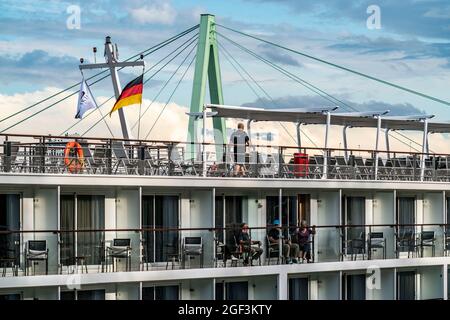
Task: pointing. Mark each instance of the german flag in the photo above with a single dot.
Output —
(131, 94)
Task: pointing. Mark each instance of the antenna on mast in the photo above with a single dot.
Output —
(111, 54)
(94, 49)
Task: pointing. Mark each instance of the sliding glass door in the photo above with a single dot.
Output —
(406, 214)
(161, 293)
(82, 212)
(160, 212)
(298, 289)
(232, 290)
(355, 219)
(289, 211)
(229, 213)
(10, 220)
(354, 287)
(406, 285)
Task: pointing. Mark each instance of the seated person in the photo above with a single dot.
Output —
(302, 236)
(290, 250)
(247, 244)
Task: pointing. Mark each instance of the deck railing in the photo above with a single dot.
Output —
(22, 154)
(38, 252)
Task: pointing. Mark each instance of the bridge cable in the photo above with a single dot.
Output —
(160, 45)
(170, 97)
(228, 56)
(300, 80)
(423, 95)
(148, 70)
(164, 85)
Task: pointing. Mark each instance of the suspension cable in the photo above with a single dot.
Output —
(170, 97)
(300, 80)
(423, 95)
(290, 75)
(148, 70)
(164, 86)
(160, 45)
(227, 56)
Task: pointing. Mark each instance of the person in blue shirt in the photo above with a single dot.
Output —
(291, 250)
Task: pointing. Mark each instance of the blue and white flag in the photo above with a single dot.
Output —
(85, 100)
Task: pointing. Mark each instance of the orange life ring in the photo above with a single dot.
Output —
(74, 161)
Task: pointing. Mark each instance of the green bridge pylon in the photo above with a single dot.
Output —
(207, 67)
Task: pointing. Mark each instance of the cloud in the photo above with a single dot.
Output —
(39, 66)
(162, 13)
(274, 55)
(172, 125)
(409, 17)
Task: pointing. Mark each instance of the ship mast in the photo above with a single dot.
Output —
(112, 62)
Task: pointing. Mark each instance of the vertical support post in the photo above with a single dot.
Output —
(249, 128)
(325, 157)
(280, 222)
(207, 68)
(299, 136)
(424, 148)
(376, 146)
(387, 143)
(344, 137)
(204, 142)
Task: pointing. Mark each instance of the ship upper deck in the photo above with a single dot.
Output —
(25, 155)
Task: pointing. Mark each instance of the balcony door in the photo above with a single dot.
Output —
(232, 290)
(354, 287)
(289, 211)
(354, 217)
(82, 212)
(406, 285)
(298, 289)
(406, 218)
(229, 213)
(160, 212)
(10, 220)
(161, 293)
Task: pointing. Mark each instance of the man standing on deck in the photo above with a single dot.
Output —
(238, 141)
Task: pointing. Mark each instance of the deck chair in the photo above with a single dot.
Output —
(11, 163)
(93, 163)
(121, 155)
(178, 165)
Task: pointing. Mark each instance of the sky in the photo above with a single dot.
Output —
(41, 44)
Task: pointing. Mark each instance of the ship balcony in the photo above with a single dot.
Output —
(24, 154)
(28, 253)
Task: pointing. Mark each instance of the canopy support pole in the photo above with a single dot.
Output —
(424, 148)
(387, 143)
(299, 136)
(344, 137)
(325, 157)
(376, 146)
(204, 141)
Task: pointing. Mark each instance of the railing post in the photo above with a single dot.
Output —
(8, 152)
(109, 157)
(141, 168)
(42, 153)
(280, 156)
